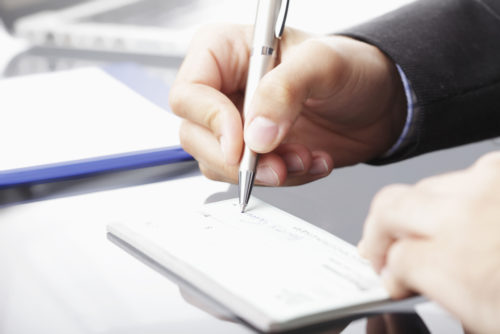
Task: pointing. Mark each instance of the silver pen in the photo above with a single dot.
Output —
(268, 28)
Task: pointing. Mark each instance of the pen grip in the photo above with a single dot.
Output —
(259, 65)
(248, 160)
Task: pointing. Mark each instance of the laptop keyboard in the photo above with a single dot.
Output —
(155, 13)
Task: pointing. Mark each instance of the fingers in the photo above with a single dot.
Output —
(397, 211)
(289, 164)
(294, 164)
(208, 85)
(404, 268)
(209, 155)
(379, 232)
(209, 90)
(218, 57)
(405, 233)
(321, 165)
(211, 110)
(436, 238)
(416, 265)
(281, 94)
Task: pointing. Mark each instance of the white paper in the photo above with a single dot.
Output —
(78, 114)
(269, 267)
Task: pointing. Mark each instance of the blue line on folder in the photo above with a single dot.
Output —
(84, 167)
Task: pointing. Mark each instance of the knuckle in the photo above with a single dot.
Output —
(177, 100)
(489, 160)
(184, 134)
(427, 182)
(188, 138)
(397, 290)
(211, 119)
(395, 258)
(394, 190)
(278, 89)
(210, 173)
(207, 172)
(387, 195)
(174, 102)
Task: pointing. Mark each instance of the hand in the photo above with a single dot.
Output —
(330, 100)
(441, 237)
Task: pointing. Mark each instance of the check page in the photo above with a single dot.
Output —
(272, 269)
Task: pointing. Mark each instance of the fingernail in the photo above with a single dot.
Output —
(261, 134)
(267, 176)
(293, 162)
(318, 166)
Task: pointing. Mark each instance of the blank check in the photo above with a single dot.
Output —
(272, 269)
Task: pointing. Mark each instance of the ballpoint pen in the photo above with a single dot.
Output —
(268, 28)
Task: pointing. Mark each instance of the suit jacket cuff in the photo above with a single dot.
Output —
(449, 51)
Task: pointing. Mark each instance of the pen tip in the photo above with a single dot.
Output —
(243, 207)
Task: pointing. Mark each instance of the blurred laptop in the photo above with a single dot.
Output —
(152, 27)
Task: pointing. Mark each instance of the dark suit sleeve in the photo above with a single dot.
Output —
(450, 52)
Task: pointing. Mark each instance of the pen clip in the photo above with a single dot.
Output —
(280, 21)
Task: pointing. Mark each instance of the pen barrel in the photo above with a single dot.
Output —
(264, 46)
(266, 20)
(248, 160)
(259, 66)
(261, 61)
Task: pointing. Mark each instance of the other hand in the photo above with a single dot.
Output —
(441, 238)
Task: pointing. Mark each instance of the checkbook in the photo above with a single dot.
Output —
(273, 270)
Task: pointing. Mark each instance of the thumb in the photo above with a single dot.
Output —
(279, 98)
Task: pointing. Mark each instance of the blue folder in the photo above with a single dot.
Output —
(154, 89)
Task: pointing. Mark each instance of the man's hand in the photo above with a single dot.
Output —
(329, 101)
(441, 238)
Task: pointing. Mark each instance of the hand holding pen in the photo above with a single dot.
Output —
(327, 100)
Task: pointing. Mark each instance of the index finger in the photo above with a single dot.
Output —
(211, 79)
(398, 211)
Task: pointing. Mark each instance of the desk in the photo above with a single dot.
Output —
(61, 275)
